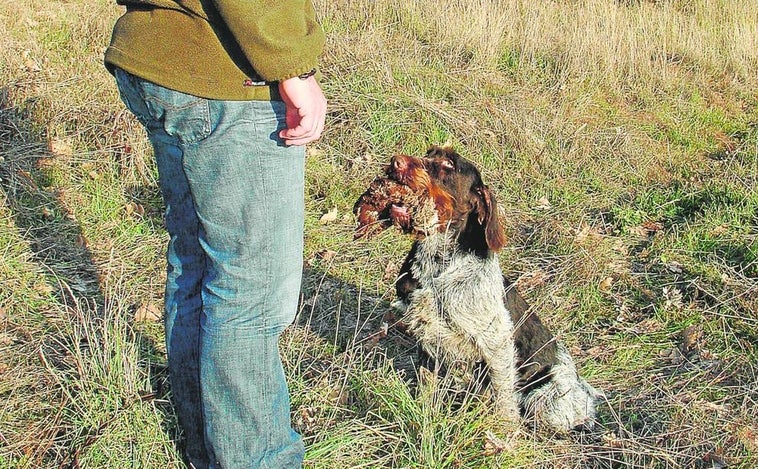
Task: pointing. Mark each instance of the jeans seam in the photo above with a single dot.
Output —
(267, 298)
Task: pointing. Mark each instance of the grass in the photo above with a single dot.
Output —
(620, 137)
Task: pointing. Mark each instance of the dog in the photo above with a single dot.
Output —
(457, 303)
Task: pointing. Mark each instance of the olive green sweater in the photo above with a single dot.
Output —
(217, 49)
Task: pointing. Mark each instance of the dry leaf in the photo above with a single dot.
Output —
(31, 65)
(533, 279)
(582, 234)
(639, 231)
(672, 355)
(306, 419)
(652, 226)
(606, 284)
(588, 232)
(313, 152)
(543, 204)
(391, 271)
(691, 337)
(134, 208)
(600, 353)
(329, 216)
(60, 146)
(81, 241)
(426, 376)
(337, 395)
(613, 441)
(43, 287)
(648, 326)
(366, 158)
(327, 254)
(6, 339)
(673, 297)
(749, 437)
(719, 230)
(620, 246)
(148, 312)
(727, 143)
(675, 267)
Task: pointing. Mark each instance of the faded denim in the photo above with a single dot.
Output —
(234, 212)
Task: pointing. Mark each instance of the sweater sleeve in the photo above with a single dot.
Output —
(280, 38)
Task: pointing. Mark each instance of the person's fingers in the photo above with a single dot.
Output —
(306, 111)
(303, 131)
(301, 140)
(309, 129)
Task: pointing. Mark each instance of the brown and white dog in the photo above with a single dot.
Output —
(459, 306)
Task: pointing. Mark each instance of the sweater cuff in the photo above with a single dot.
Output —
(299, 72)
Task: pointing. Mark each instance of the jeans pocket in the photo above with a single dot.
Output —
(182, 116)
(131, 95)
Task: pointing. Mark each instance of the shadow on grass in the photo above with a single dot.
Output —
(72, 320)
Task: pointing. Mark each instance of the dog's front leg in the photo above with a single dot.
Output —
(426, 324)
(500, 357)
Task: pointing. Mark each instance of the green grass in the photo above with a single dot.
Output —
(625, 163)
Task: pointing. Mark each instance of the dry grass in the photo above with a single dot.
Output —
(616, 42)
(621, 138)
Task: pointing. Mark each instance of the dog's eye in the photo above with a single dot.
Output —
(447, 164)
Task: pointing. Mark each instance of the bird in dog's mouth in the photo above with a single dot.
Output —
(405, 197)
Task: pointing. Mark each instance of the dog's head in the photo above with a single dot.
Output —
(462, 201)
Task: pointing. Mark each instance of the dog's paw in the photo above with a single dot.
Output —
(507, 407)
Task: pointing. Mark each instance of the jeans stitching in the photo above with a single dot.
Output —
(265, 192)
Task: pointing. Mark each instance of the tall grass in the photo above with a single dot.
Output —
(614, 41)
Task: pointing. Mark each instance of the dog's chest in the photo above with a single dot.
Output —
(468, 290)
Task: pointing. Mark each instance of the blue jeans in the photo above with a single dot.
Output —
(234, 213)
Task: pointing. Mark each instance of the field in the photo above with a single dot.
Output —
(621, 139)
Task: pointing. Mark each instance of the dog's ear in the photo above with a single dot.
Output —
(487, 213)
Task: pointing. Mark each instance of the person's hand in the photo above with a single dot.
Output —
(306, 110)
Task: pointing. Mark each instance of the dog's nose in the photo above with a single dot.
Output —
(398, 163)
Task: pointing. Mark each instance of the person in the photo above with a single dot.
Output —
(227, 93)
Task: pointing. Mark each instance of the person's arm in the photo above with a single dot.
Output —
(280, 38)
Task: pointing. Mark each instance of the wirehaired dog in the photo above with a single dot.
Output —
(455, 299)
